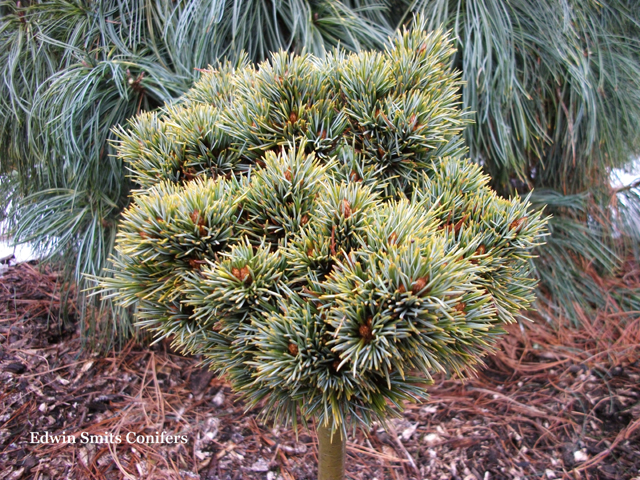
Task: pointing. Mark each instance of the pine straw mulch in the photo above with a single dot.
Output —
(554, 403)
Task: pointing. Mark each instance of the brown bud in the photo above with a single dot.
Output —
(449, 217)
(322, 134)
(381, 151)
(305, 219)
(287, 174)
(365, 332)
(460, 307)
(310, 292)
(196, 264)
(245, 275)
(293, 117)
(293, 349)
(481, 250)
(195, 217)
(393, 239)
(458, 226)
(419, 285)
(189, 173)
(144, 235)
(236, 273)
(517, 224)
(310, 252)
(401, 289)
(346, 208)
(354, 177)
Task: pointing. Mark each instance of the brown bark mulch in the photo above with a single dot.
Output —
(555, 402)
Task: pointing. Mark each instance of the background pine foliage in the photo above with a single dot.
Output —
(554, 85)
(556, 91)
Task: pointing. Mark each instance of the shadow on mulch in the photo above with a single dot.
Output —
(553, 403)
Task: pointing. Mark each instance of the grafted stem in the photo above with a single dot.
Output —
(331, 454)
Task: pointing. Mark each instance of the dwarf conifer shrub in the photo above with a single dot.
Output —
(311, 227)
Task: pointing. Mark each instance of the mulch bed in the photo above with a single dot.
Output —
(553, 403)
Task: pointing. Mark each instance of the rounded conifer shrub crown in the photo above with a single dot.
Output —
(311, 227)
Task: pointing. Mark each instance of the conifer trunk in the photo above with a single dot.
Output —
(331, 454)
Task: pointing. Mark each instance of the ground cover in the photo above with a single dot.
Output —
(553, 403)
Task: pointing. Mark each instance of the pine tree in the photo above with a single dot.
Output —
(553, 87)
(312, 228)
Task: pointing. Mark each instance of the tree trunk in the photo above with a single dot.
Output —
(331, 454)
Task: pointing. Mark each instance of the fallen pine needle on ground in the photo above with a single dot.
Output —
(555, 402)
